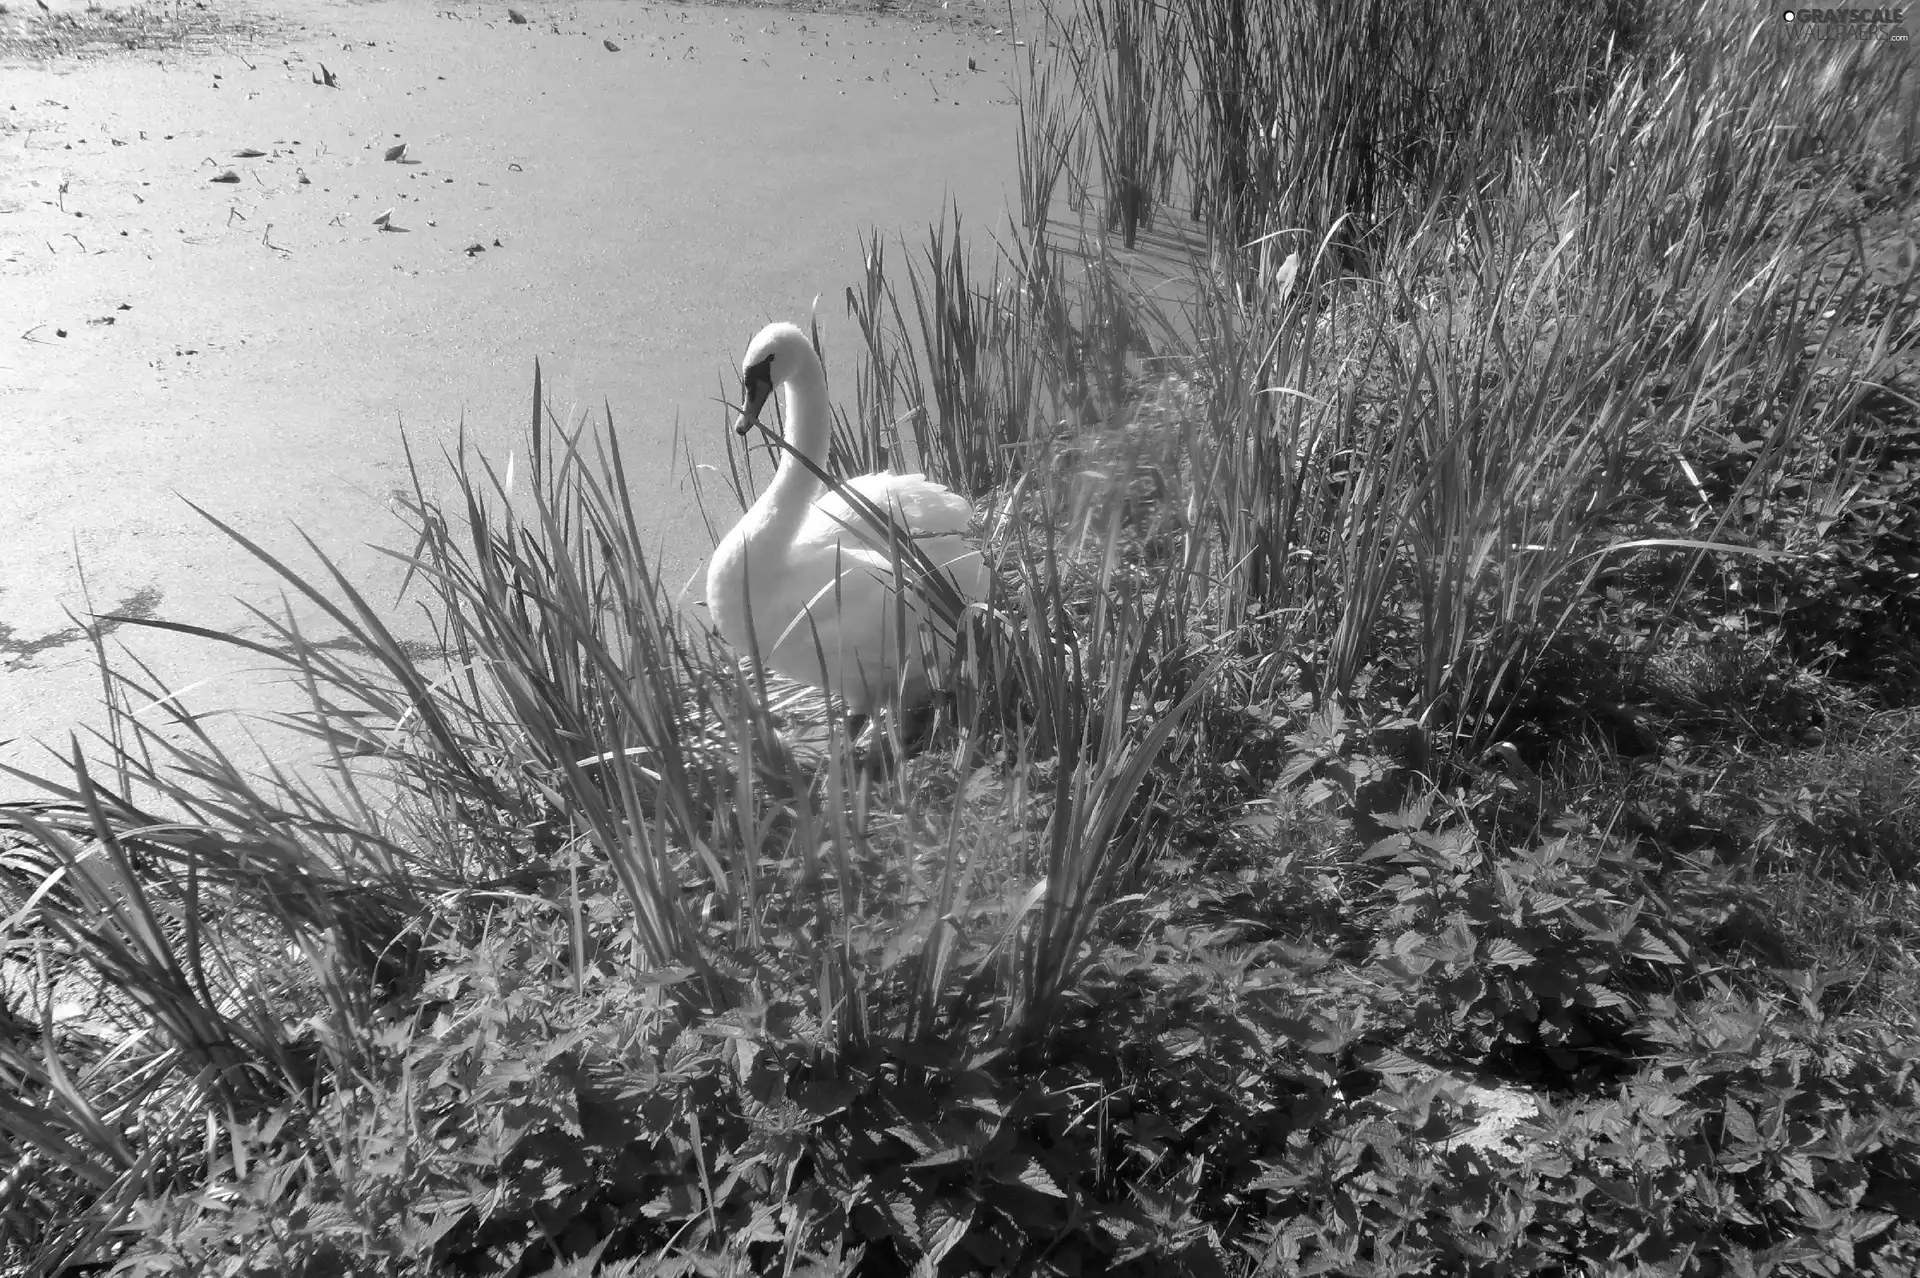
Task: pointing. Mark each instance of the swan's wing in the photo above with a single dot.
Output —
(963, 563)
(870, 561)
(923, 507)
(935, 516)
(839, 605)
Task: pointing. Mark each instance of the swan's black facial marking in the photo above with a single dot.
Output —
(755, 387)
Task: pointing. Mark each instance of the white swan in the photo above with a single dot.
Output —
(815, 575)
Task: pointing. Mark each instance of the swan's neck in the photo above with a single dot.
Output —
(808, 415)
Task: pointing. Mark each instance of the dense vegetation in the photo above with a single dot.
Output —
(1434, 791)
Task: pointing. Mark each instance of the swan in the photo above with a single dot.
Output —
(810, 579)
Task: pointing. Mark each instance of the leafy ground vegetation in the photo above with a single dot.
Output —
(1452, 472)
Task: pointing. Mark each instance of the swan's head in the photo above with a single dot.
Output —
(776, 356)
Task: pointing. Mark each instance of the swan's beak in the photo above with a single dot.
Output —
(749, 415)
(755, 389)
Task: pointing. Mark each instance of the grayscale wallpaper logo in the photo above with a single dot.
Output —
(1851, 22)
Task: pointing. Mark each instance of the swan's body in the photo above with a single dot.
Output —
(815, 576)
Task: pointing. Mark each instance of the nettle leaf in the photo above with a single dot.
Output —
(1546, 903)
(1028, 1171)
(918, 1137)
(1502, 952)
(949, 1156)
(1387, 848)
(1865, 1226)
(1643, 944)
(1332, 1033)
(943, 1228)
(1455, 945)
(1409, 970)
(1739, 1123)
(1316, 793)
(421, 1234)
(1602, 997)
(936, 1148)
(1392, 1063)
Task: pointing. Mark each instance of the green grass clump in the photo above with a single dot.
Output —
(1431, 791)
